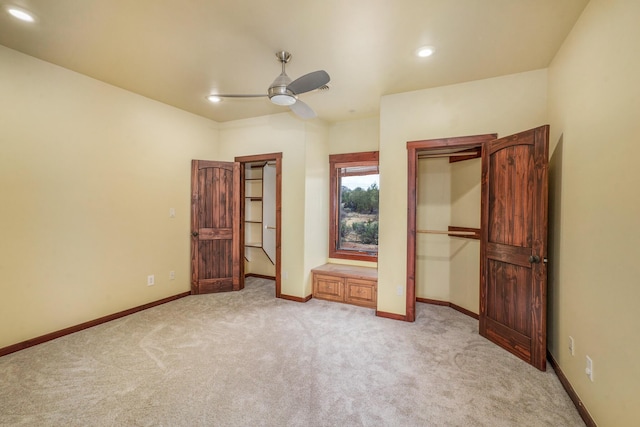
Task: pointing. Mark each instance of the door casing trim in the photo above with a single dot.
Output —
(277, 157)
(414, 148)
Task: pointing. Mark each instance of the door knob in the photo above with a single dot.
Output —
(534, 259)
(194, 234)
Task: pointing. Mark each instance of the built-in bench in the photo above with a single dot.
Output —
(346, 283)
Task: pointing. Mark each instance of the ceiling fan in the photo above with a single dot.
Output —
(283, 91)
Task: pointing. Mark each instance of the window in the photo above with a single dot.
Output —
(354, 206)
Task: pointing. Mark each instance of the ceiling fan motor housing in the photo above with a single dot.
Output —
(278, 92)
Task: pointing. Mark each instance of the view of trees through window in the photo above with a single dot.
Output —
(359, 197)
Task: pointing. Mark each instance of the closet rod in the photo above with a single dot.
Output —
(456, 233)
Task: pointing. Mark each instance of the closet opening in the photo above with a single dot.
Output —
(261, 209)
(435, 230)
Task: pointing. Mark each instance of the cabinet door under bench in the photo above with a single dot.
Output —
(328, 287)
(347, 284)
(360, 292)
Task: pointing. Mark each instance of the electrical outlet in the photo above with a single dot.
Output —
(399, 290)
(285, 275)
(589, 369)
(172, 275)
(572, 346)
(172, 212)
(151, 280)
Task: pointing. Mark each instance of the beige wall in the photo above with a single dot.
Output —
(292, 137)
(316, 217)
(354, 136)
(88, 173)
(256, 261)
(433, 212)
(504, 105)
(594, 273)
(465, 253)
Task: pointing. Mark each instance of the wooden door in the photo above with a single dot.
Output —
(216, 265)
(513, 288)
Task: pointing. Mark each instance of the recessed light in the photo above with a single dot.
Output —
(425, 51)
(21, 14)
(214, 98)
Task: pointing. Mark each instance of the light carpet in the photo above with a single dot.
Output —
(248, 359)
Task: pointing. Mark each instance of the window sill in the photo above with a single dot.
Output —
(354, 255)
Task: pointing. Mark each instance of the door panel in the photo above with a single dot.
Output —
(508, 300)
(215, 227)
(514, 244)
(510, 196)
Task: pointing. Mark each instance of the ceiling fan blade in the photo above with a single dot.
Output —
(302, 110)
(240, 96)
(309, 82)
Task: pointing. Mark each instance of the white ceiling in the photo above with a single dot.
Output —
(179, 51)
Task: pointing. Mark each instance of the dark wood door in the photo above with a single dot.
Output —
(513, 288)
(216, 265)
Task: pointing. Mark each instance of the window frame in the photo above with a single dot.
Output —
(337, 161)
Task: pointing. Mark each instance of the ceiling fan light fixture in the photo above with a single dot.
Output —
(425, 51)
(283, 99)
(279, 94)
